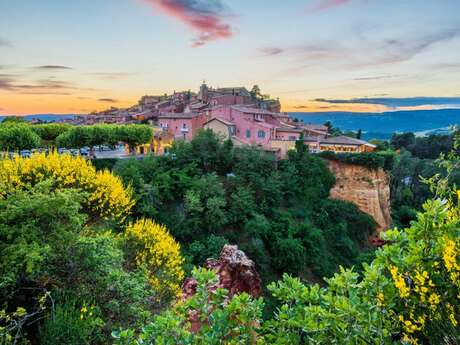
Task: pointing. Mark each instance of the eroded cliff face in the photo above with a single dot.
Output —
(367, 188)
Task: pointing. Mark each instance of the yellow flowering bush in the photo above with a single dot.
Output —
(423, 263)
(105, 193)
(157, 251)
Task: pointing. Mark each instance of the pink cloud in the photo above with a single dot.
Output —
(205, 17)
(326, 4)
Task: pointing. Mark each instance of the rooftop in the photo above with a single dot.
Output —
(344, 140)
(228, 123)
(177, 116)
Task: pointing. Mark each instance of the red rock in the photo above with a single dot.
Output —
(236, 273)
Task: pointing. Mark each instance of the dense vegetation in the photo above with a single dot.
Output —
(209, 193)
(429, 147)
(71, 268)
(416, 161)
(86, 256)
(409, 294)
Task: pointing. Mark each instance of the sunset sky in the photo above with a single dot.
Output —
(76, 56)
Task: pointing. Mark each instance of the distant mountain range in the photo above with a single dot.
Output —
(45, 117)
(373, 125)
(383, 125)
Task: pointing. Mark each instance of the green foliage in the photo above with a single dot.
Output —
(81, 136)
(70, 324)
(206, 189)
(35, 228)
(426, 147)
(48, 132)
(403, 140)
(17, 136)
(215, 319)
(201, 250)
(104, 163)
(48, 249)
(408, 294)
(381, 145)
(408, 192)
(369, 160)
(133, 135)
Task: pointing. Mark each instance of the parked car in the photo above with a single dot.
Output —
(25, 153)
(62, 151)
(84, 152)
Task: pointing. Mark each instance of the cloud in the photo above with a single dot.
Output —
(380, 77)
(327, 4)
(362, 54)
(5, 43)
(397, 50)
(447, 65)
(13, 83)
(205, 17)
(397, 102)
(111, 75)
(108, 100)
(52, 67)
(271, 51)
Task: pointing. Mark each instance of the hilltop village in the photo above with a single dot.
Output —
(245, 117)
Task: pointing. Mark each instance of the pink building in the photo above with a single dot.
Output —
(182, 125)
(230, 100)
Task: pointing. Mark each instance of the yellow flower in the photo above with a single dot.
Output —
(160, 254)
(380, 299)
(404, 290)
(107, 197)
(450, 256)
(434, 300)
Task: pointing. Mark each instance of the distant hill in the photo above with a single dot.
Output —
(383, 125)
(45, 117)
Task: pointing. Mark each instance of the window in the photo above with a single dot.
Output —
(261, 134)
(292, 137)
(232, 130)
(184, 125)
(248, 133)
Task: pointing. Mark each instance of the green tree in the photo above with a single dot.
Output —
(134, 135)
(14, 120)
(48, 132)
(403, 140)
(17, 136)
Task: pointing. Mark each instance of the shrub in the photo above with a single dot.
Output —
(17, 136)
(368, 160)
(71, 325)
(105, 195)
(155, 249)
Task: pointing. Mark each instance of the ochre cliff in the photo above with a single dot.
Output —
(369, 189)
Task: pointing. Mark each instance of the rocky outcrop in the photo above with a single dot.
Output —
(236, 273)
(368, 188)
